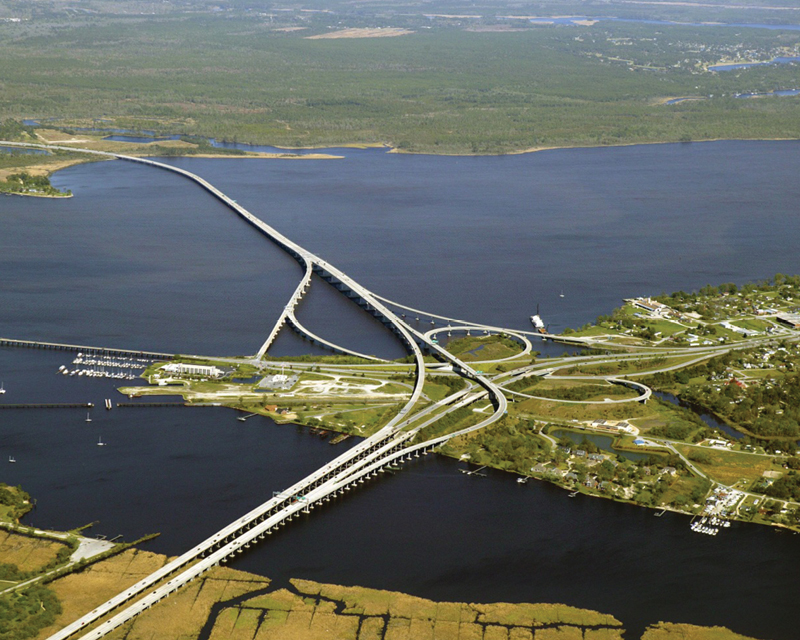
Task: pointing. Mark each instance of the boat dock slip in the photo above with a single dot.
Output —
(51, 405)
(34, 344)
(474, 472)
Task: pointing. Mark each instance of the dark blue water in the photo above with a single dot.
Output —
(143, 259)
(183, 472)
(22, 150)
(488, 238)
(778, 92)
(677, 100)
(436, 533)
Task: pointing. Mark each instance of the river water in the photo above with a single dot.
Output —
(143, 259)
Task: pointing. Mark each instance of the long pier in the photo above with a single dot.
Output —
(154, 404)
(49, 405)
(82, 348)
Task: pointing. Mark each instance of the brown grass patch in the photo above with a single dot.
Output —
(582, 412)
(729, 467)
(81, 592)
(29, 554)
(386, 32)
(537, 615)
(41, 168)
(603, 634)
(493, 632)
(559, 633)
(668, 631)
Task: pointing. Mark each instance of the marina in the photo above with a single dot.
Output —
(113, 368)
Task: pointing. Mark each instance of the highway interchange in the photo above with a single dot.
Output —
(398, 440)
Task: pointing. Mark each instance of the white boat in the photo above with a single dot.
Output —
(100, 442)
(2, 389)
(537, 322)
(88, 417)
(521, 480)
(12, 459)
(561, 295)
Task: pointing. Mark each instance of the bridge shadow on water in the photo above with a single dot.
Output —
(332, 316)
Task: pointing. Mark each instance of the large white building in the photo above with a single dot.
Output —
(180, 368)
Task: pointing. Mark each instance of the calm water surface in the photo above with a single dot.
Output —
(143, 259)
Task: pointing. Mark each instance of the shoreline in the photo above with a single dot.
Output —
(38, 195)
(43, 169)
(263, 607)
(570, 488)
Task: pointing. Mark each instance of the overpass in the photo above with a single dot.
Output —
(368, 457)
(288, 310)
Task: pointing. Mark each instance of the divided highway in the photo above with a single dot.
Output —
(387, 446)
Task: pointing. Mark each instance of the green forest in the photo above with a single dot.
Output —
(439, 89)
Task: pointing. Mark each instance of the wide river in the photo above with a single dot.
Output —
(141, 258)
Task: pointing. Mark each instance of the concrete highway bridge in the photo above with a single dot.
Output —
(398, 441)
(391, 444)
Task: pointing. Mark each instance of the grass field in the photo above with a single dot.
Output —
(546, 409)
(729, 467)
(577, 390)
(28, 554)
(476, 348)
(668, 631)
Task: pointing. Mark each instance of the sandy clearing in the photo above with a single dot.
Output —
(386, 32)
